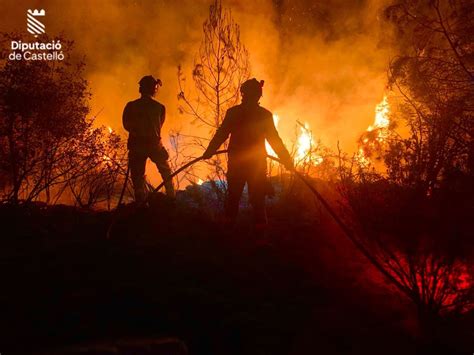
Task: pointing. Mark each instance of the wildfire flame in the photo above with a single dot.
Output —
(304, 147)
(361, 157)
(382, 120)
(110, 129)
(200, 182)
(380, 130)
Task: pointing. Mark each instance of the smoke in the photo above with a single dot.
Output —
(327, 68)
(323, 62)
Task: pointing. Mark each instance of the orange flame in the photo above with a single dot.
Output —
(304, 147)
(380, 126)
(382, 120)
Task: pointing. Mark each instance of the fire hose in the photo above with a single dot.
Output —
(341, 224)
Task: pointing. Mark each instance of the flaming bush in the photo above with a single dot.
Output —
(374, 140)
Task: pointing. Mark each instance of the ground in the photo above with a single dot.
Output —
(171, 277)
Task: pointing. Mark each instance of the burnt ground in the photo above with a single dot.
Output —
(171, 272)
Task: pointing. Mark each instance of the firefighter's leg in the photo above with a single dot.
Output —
(257, 199)
(160, 158)
(137, 162)
(165, 172)
(235, 186)
(257, 190)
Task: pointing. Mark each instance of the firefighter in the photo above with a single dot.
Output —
(248, 125)
(143, 119)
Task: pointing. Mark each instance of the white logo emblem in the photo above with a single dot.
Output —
(35, 26)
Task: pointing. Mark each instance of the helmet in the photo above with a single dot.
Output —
(252, 88)
(149, 81)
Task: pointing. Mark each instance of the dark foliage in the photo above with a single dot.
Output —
(49, 148)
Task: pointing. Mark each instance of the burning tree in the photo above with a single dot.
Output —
(434, 76)
(414, 220)
(220, 67)
(374, 141)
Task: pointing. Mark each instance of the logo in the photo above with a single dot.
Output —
(35, 26)
(36, 50)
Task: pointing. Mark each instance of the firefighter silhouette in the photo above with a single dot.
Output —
(248, 125)
(143, 119)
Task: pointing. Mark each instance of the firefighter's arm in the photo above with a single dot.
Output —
(272, 136)
(221, 135)
(127, 118)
